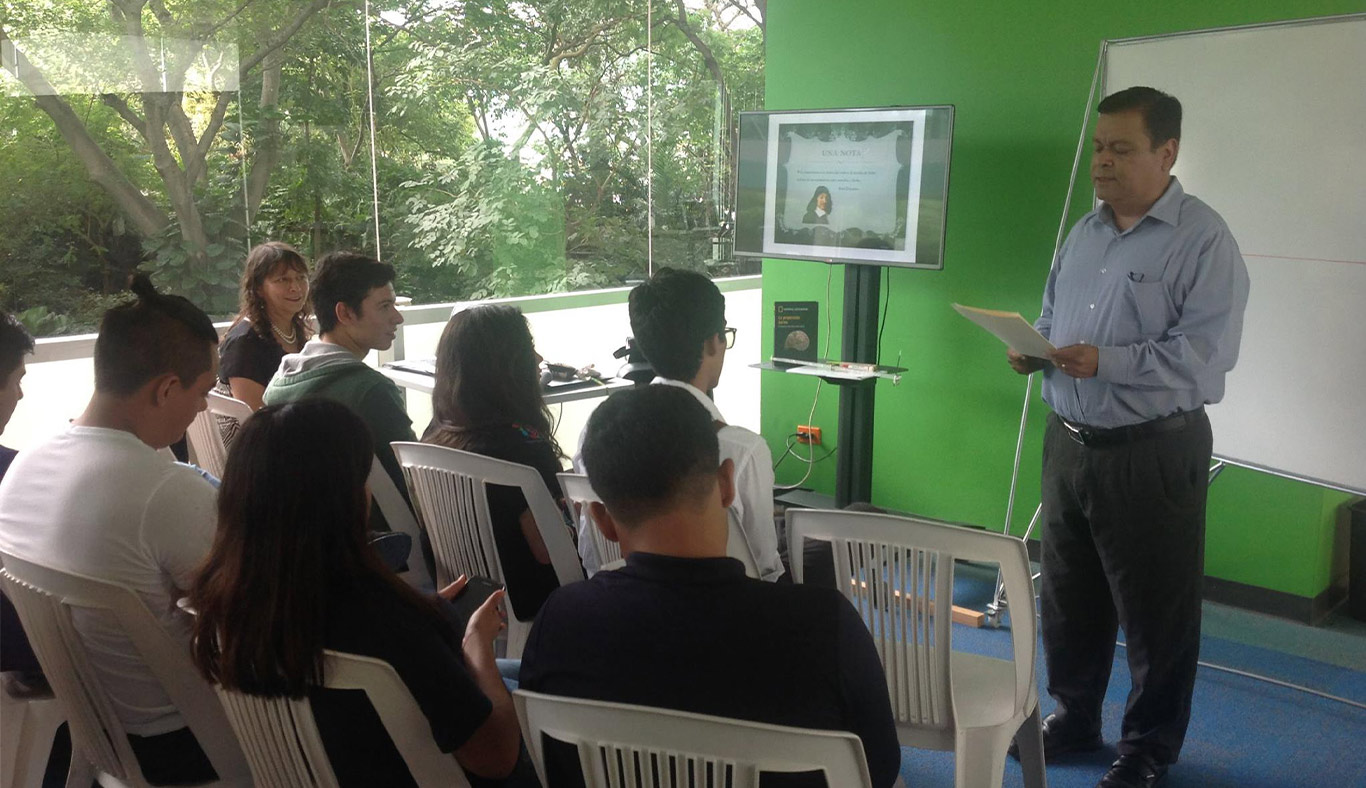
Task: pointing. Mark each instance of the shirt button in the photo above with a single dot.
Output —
(1093, 306)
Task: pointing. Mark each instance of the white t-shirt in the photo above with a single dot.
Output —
(752, 509)
(102, 503)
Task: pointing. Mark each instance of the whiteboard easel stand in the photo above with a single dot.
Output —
(999, 603)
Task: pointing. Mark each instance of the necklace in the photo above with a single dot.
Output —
(289, 338)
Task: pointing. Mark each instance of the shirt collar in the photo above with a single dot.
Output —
(1167, 208)
(669, 568)
(696, 392)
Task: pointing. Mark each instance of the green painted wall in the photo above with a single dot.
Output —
(1019, 76)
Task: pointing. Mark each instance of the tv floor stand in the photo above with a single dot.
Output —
(854, 452)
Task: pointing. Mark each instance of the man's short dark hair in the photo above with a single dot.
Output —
(648, 449)
(150, 336)
(1161, 112)
(15, 343)
(345, 278)
(672, 316)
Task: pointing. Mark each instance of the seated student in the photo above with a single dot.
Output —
(487, 400)
(353, 296)
(271, 321)
(16, 656)
(291, 574)
(679, 322)
(99, 499)
(680, 626)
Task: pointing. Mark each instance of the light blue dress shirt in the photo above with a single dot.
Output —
(1162, 302)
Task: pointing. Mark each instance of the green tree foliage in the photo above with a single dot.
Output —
(511, 141)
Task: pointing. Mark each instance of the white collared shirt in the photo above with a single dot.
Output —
(753, 505)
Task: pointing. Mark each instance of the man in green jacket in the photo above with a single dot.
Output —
(353, 297)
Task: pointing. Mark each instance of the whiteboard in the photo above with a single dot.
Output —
(1274, 139)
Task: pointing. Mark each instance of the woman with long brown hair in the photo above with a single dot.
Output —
(271, 321)
(487, 400)
(291, 573)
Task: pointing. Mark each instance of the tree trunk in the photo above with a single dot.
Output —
(179, 186)
(268, 142)
(142, 212)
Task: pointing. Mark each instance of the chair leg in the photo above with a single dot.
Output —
(979, 756)
(1030, 739)
(29, 729)
(82, 772)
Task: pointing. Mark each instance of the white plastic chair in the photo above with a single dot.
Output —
(27, 728)
(578, 491)
(207, 446)
(281, 741)
(448, 487)
(400, 518)
(898, 572)
(625, 736)
(46, 598)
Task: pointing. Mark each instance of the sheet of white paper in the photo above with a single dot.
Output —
(1010, 328)
(831, 371)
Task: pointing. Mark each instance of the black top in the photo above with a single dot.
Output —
(695, 634)
(529, 581)
(370, 619)
(243, 353)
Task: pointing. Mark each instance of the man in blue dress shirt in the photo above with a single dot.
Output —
(1145, 305)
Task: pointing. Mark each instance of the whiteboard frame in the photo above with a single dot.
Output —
(1098, 89)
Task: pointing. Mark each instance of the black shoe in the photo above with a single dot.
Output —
(1133, 771)
(1060, 738)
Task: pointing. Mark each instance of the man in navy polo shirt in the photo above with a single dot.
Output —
(680, 626)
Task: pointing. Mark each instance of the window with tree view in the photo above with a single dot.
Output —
(485, 149)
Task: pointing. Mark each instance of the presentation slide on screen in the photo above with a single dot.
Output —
(844, 184)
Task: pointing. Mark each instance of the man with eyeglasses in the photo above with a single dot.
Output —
(678, 319)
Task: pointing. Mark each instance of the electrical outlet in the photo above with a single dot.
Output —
(808, 434)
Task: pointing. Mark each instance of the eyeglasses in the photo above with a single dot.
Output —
(730, 337)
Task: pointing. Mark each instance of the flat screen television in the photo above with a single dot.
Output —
(844, 185)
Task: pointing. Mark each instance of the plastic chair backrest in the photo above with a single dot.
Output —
(205, 437)
(281, 741)
(577, 490)
(46, 599)
(627, 737)
(400, 518)
(448, 488)
(898, 573)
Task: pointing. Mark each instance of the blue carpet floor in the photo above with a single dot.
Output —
(1243, 732)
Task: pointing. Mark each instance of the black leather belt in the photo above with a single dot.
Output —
(1114, 436)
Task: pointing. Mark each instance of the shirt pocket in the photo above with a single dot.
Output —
(1153, 305)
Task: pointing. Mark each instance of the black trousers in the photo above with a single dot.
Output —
(1124, 545)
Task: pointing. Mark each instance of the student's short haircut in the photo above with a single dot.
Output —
(150, 336)
(15, 343)
(672, 316)
(649, 449)
(345, 278)
(1161, 112)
